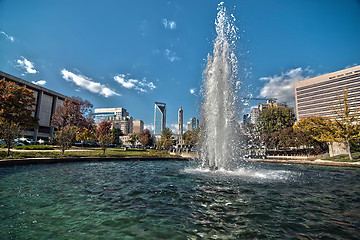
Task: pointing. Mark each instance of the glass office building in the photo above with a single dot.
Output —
(159, 117)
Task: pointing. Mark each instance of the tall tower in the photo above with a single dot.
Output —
(180, 121)
(159, 117)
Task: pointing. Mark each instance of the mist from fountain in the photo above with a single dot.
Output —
(219, 139)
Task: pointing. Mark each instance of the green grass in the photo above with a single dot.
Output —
(34, 147)
(93, 152)
(345, 158)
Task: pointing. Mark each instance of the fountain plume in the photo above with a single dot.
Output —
(220, 141)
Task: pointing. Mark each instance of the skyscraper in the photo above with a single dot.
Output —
(159, 117)
(193, 124)
(180, 121)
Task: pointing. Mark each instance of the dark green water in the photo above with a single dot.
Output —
(169, 200)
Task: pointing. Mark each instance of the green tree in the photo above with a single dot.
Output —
(117, 133)
(166, 140)
(275, 119)
(16, 111)
(191, 137)
(104, 135)
(65, 137)
(9, 131)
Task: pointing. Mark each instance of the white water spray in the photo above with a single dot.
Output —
(219, 139)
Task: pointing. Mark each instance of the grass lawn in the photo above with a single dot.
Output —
(46, 152)
(345, 158)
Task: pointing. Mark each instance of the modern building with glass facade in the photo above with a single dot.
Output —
(46, 103)
(159, 117)
(193, 124)
(103, 114)
(316, 96)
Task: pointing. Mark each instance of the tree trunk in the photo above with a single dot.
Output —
(8, 151)
(349, 150)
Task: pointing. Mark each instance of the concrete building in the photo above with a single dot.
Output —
(180, 121)
(159, 117)
(118, 116)
(315, 96)
(138, 126)
(255, 113)
(46, 103)
(193, 124)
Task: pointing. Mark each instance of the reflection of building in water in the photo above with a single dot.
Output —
(159, 117)
(315, 96)
(46, 103)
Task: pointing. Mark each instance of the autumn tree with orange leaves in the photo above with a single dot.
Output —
(16, 111)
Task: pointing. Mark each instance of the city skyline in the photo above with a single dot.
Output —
(117, 54)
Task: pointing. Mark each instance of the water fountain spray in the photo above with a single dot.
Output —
(219, 139)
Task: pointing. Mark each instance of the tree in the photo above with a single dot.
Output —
(191, 137)
(346, 125)
(133, 138)
(74, 112)
(166, 140)
(9, 131)
(16, 111)
(65, 137)
(275, 119)
(319, 128)
(117, 133)
(85, 135)
(145, 138)
(104, 134)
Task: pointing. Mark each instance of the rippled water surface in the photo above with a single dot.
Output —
(174, 200)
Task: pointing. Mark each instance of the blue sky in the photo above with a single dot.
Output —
(130, 54)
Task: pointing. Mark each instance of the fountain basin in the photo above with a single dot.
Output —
(172, 200)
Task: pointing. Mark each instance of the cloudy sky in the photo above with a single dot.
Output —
(129, 54)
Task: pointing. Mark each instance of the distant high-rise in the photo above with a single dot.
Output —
(180, 121)
(159, 117)
(193, 124)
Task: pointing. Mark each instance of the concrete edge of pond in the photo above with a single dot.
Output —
(29, 161)
(309, 162)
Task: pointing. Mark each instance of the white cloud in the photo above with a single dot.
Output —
(282, 87)
(26, 65)
(352, 65)
(150, 127)
(169, 24)
(40, 82)
(174, 128)
(141, 86)
(86, 83)
(171, 55)
(11, 38)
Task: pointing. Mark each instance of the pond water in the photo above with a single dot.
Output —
(174, 200)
